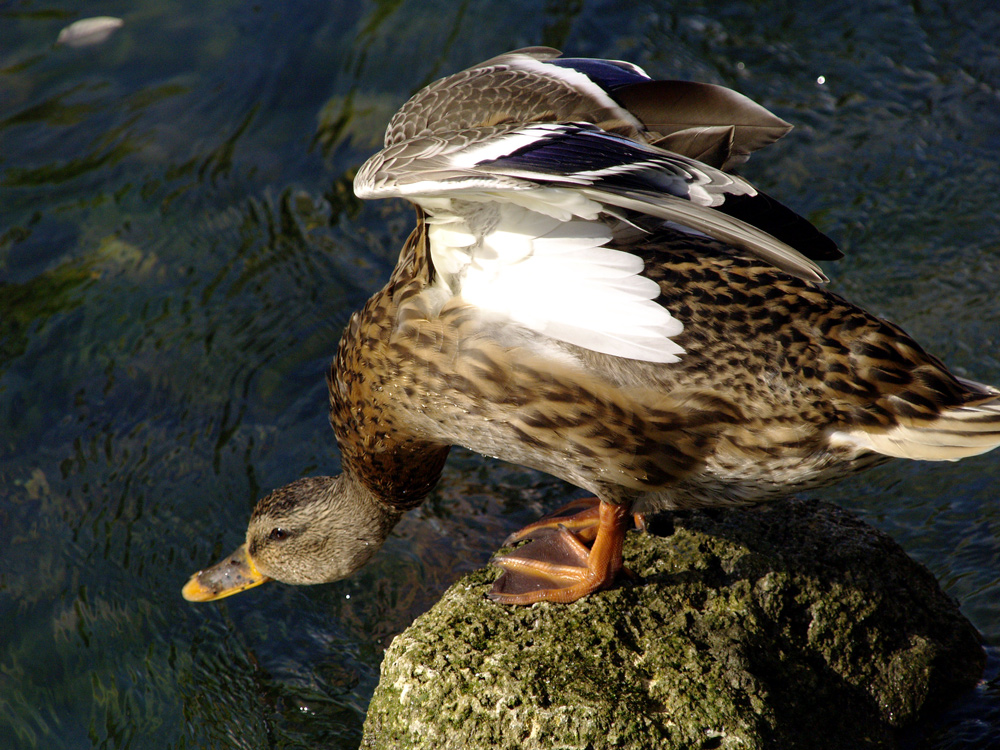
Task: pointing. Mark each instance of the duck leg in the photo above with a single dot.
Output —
(583, 523)
(557, 566)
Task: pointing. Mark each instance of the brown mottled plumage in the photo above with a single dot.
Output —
(733, 421)
(766, 383)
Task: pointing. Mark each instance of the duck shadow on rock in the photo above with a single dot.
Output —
(791, 624)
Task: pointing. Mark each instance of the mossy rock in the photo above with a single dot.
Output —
(788, 625)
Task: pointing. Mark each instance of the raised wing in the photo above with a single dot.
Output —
(523, 164)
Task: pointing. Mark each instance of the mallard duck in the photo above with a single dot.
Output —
(591, 292)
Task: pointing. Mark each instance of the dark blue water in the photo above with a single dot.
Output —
(180, 247)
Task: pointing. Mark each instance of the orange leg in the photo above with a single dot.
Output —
(584, 523)
(557, 567)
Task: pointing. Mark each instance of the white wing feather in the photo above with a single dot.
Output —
(554, 277)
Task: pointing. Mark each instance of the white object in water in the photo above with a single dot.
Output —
(88, 31)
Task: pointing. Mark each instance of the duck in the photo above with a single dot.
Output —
(592, 291)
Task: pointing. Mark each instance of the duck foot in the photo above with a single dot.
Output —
(556, 565)
(583, 523)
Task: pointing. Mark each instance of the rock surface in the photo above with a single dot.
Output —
(788, 625)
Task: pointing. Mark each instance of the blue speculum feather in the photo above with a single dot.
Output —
(579, 148)
(605, 73)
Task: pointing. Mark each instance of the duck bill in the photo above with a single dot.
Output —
(227, 577)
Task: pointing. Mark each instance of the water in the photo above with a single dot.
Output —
(179, 249)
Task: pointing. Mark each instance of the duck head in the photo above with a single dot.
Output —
(314, 530)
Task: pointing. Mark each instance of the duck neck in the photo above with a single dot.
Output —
(377, 516)
(398, 476)
(372, 417)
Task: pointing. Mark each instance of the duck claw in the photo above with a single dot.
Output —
(556, 565)
(584, 523)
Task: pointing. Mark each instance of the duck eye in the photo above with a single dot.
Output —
(278, 535)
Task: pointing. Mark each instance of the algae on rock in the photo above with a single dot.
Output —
(788, 625)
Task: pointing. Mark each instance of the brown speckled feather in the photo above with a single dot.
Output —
(388, 456)
(774, 366)
(455, 103)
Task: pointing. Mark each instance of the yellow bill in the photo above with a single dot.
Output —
(230, 576)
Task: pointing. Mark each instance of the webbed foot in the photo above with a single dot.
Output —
(556, 565)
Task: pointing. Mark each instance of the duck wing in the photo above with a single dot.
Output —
(712, 124)
(524, 164)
